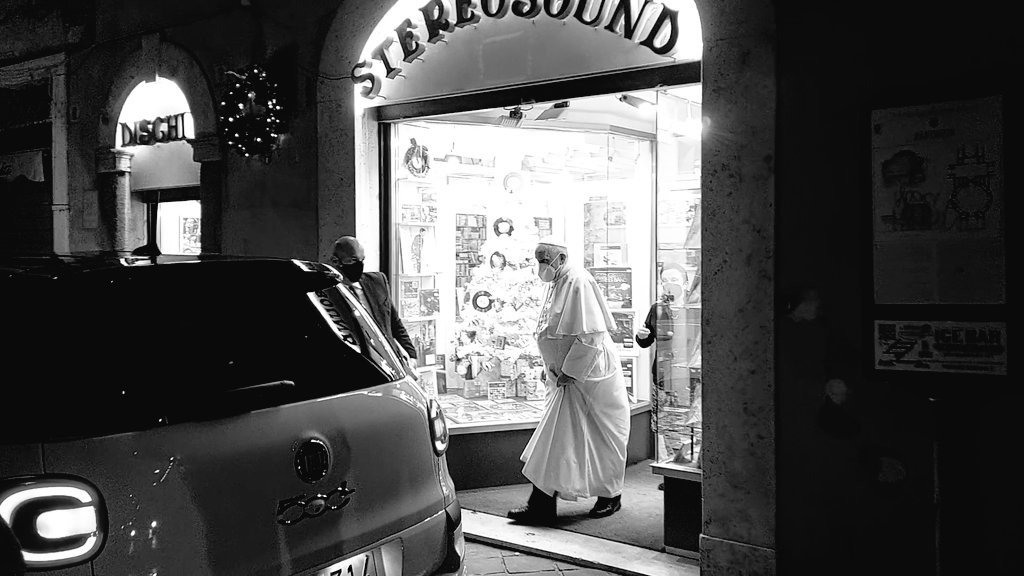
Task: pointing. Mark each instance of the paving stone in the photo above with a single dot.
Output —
(523, 564)
(482, 566)
(577, 571)
(476, 550)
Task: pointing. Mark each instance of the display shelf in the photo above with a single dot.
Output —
(681, 471)
(417, 223)
(420, 318)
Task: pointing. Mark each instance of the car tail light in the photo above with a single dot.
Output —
(58, 520)
(438, 427)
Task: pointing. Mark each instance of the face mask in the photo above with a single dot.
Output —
(352, 271)
(673, 290)
(546, 272)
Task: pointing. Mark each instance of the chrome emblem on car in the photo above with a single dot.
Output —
(293, 510)
(312, 461)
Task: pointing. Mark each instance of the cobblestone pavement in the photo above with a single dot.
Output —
(486, 560)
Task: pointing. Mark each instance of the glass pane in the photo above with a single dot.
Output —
(471, 199)
(205, 341)
(676, 313)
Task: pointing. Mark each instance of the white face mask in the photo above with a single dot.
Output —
(546, 272)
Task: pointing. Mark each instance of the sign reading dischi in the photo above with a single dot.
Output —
(156, 131)
(652, 25)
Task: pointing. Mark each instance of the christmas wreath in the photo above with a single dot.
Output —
(250, 114)
(417, 159)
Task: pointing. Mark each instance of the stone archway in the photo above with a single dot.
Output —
(738, 158)
(158, 58)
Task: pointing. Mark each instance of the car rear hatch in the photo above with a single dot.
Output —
(226, 497)
(231, 418)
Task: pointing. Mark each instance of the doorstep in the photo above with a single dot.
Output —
(574, 548)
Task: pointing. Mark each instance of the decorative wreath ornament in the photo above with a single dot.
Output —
(503, 226)
(250, 114)
(417, 159)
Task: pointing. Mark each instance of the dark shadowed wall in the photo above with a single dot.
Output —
(835, 515)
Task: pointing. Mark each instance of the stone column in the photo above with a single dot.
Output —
(114, 167)
(206, 149)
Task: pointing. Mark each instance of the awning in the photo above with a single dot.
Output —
(28, 164)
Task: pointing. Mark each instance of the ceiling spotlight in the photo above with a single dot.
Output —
(514, 118)
(634, 101)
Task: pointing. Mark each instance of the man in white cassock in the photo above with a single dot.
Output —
(579, 448)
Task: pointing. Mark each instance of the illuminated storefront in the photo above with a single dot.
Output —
(571, 139)
(154, 128)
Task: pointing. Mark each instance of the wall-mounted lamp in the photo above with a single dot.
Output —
(635, 101)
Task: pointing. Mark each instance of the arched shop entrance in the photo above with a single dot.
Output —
(154, 126)
(477, 128)
(159, 173)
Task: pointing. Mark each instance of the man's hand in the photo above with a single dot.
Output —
(555, 372)
(565, 380)
(643, 332)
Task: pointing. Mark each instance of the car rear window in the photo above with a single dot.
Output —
(100, 357)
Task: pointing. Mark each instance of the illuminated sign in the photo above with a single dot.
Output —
(648, 23)
(156, 131)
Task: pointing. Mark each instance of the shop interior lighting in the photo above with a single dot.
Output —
(556, 111)
(635, 101)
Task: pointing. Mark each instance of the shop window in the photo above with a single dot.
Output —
(617, 177)
(677, 304)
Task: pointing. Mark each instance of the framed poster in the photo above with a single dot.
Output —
(951, 347)
(938, 203)
(939, 255)
(190, 235)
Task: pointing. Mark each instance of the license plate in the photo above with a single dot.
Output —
(358, 565)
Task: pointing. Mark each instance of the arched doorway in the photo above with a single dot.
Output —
(154, 126)
(161, 155)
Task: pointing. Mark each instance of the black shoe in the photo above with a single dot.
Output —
(539, 509)
(606, 506)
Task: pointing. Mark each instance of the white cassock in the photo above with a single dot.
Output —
(579, 447)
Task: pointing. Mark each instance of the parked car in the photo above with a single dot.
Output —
(213, 416)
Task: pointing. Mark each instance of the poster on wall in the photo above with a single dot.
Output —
(424, 339)
(952, 347)
(470, 234)
(938, 203)
(604, 232)
(417, 249)
(622, 334)
(190, 235)
(616, 284)
(606, 254)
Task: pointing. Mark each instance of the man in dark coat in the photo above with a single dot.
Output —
(372, 289)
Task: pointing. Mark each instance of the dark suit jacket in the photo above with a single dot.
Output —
(378, 293)
(658, 315)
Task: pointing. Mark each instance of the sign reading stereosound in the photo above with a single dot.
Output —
(648, 23)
